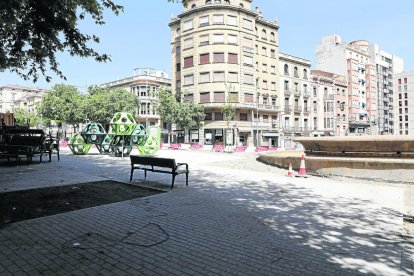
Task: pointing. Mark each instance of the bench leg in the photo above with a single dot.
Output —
(173, 179)
(58, 155)
(145, 173)
(186, 179)
(50, 156)
(132, 173)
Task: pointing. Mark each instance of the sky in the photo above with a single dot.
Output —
(140, 36)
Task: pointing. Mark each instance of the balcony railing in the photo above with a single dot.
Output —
(306, 94)
(306, 110)
(288, 91)
(328, 97)
(287, 109)
(297, 92)
(297, 129)
(298, 109)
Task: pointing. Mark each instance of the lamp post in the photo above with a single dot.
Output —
(257, 111)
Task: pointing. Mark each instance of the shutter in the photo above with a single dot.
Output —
(205, 97)
(188, 43)
(218, 38)
(204, 58)
(248, 98)
(232, 39)
(188, 62)
(248, 60)
(233, 58)
(231, 20)
(203, 21)
(219, 97)
(218, 76)
(218, 19)
(218, 57)
(204, 77)
(233, 77)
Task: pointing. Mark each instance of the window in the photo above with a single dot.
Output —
(178, 50)
(232, 20)
(405, 80)
(178, 67)
(204, 77)
(178, 83)
(218, 38)
(264, 35)
(264, 67)
(273, 53)
(188, 62)
(233, 77)
(265, 84)
(295, 72)
(204, 21)
(218, 116)
(305, 74)
(189, 97)
(243, 116)
(232, 39)
(247, 24)
(248, 98)
(188, 25)
(205, 98)
(405, 87)
(188, 43)
(272, 37)
(204, 58)
(305, 89)
(218, 76)
(273, 86)
(264, 51)
(248, 79)
(274, 103)
(208, 116)
(178, 32)
(286, 69)
(286, 85)
(189, 79)
(218, 57)
(247, 44)
(234, 97)
(399, 81)
(204, 40)
(233, 58)
(247, 60)
(218, 19)
(273, 69)
(219, 97)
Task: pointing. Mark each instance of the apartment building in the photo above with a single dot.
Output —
(15, 96)
(386, 65)
(404, 103)
(225, 52)
(145, 84)
(295, 90)
(353, 61)
(329, 102)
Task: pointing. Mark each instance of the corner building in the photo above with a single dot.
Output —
(223, 52)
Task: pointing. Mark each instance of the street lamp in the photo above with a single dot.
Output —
(257, 111)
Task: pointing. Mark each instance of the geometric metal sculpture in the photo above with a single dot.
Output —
(124, 133)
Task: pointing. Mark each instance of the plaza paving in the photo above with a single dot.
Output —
(236, 217)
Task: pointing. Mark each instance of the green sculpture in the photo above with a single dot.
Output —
(124, 133)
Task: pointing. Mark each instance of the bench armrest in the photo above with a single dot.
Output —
(183, 164)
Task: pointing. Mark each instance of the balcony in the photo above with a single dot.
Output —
(253, 106)
(297, 109)
(248, 49)
(288, 109)
(297, 92)
(306, 110)
(288, 91)
(306, 94)
(328, 97)
(297, 129)
(262, 124)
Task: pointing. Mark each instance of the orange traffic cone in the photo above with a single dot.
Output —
(290, 172)
(302, 169)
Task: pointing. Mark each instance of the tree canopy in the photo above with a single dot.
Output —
(102, 103)
(33, 31)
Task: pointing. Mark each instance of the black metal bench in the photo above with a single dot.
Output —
(27, 142)
(160, 165)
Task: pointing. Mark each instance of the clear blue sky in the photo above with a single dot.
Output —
(140, 37)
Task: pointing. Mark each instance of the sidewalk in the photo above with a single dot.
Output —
(236, 217)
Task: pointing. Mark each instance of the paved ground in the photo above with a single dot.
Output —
(236, 217)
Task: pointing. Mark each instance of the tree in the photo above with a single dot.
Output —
(101, 104)
(64, 103)
(189, 115)
(23, 117)
(33, 31)
(167, 108)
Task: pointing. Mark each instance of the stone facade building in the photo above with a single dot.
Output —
(15, 96)
(224, 52)
(145, 84)
(295, 92)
